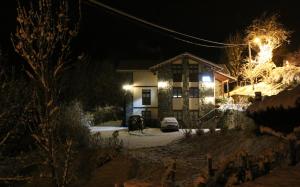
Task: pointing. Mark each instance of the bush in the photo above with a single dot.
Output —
(232, 119)
(15, 115)
(108, 113)
(70, 125)
(200, 132)
(112, 144)
(187, 133)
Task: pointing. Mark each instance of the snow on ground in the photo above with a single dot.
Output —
(264, 88)
(285, 99)
(108, 128)
(151, 137)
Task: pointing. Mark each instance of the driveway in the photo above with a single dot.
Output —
(151, 137)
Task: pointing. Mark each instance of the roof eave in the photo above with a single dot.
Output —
(153, 68)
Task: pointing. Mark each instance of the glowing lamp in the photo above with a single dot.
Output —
(162, 84)
(127, 87)
(257, 40)
(206, 78)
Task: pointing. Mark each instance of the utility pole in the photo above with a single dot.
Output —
(249, 51)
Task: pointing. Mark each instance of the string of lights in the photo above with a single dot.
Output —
(119, 12)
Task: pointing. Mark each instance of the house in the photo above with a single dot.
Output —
(184, 87)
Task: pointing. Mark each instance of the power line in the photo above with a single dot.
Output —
(203, 45)
(165, 29)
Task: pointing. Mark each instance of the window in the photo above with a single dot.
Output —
(146, 114)
(177, 92)
(194, 115)
(146, 97)
(177, 72)
(193, 73)
(194, 92)
(177, 114)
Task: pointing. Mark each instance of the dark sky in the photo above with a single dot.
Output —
(104, 34)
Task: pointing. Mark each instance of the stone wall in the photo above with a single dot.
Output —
(165, 95)
(185, 91)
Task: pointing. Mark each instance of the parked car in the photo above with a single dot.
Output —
(135, 122)
(169, 124)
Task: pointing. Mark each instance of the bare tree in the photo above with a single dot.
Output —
(234, 54)
(43, 36)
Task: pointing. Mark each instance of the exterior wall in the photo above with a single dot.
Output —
(154, 111)
(193, 103)
(128, 97)
(165, 95)
(219, 90)
(177, 103)
(162, 102)
(144, 80)
(185, 91)
(206, 98)
(137, 97)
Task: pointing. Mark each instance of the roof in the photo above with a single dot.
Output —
(145, 65)
(191, 56)
(225, 69)
(222, 76)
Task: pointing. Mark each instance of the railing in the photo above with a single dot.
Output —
(206, 116)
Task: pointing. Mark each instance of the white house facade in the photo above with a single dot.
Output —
(181, 87)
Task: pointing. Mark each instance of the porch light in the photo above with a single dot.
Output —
(207, 81)
(206, 78)
(127, 87)
(162, 84)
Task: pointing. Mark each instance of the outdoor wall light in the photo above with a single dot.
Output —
(206, 78)
(127, 87)
(162, 84)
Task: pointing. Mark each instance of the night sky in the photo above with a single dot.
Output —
(107, 35)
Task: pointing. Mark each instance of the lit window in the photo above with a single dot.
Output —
(206, 78)
(177, 92)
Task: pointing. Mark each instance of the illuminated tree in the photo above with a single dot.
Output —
(263, 35)
(43, 36)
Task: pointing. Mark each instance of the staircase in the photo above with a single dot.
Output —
(208, 118)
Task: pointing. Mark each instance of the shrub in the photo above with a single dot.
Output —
(108, 113)
(187, 133)
(15, 116)
(70, 125)
(200, 132)
(212, 130)
(112, 144)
